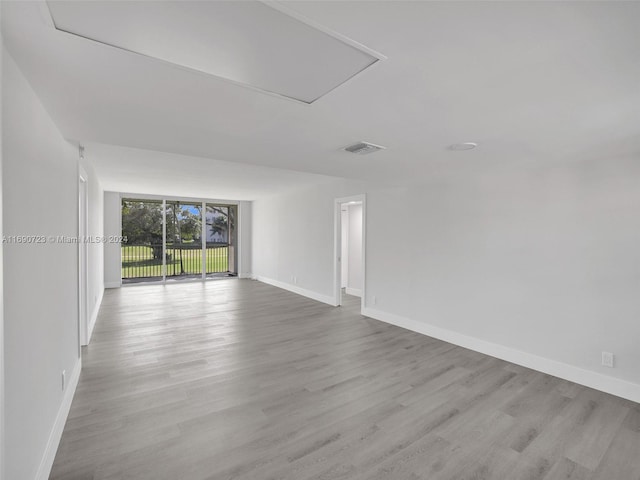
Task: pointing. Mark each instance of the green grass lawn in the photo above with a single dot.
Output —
(138, 261)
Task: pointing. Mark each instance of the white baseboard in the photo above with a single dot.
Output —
(245, 275)
(300, 291)
(56, 432)
(598, 381)
(112, 284)
(356, 292)
(94, 315)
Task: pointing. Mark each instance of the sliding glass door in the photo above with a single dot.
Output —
(184, 240)
(175, 240)
(142, 252)
(221, 241)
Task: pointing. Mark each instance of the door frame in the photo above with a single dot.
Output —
(337, 246)
(83, 258)
(241, 211)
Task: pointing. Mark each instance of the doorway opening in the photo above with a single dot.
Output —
(175, 240)
(350, 250)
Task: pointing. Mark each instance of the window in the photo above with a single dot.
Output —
(199, 240)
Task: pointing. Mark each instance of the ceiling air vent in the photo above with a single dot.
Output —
(362, 148)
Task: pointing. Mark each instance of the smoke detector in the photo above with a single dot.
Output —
(363, 148)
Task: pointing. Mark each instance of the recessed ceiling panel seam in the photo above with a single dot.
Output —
(251, 44)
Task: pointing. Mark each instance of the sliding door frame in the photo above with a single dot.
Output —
(203, 236)
(204, 202)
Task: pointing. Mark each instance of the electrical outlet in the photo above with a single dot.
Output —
(374, 299)
(64, 379)
(295, 280)
(607, 359)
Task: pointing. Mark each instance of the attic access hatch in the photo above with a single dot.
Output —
(249, 43)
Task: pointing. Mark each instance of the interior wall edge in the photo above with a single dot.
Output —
(356, 292)
(328, 299)
(58, 427)
(2, 394)
(94, 314)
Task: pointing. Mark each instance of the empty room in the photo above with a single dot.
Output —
(318, 239)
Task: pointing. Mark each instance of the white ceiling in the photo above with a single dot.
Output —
(247, 42)
(133, 170)
(534, 84)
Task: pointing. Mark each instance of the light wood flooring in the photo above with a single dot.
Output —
(235, 379)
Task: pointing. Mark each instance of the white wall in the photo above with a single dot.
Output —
(355, 281)
(96, 249)
(41, 295)
(539, 267)
(112, 251)
(293, 239)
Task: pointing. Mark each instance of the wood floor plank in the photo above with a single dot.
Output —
(239, 380)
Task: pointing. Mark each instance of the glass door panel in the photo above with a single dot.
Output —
(220, 231)
(184, 239)
(142, 251)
